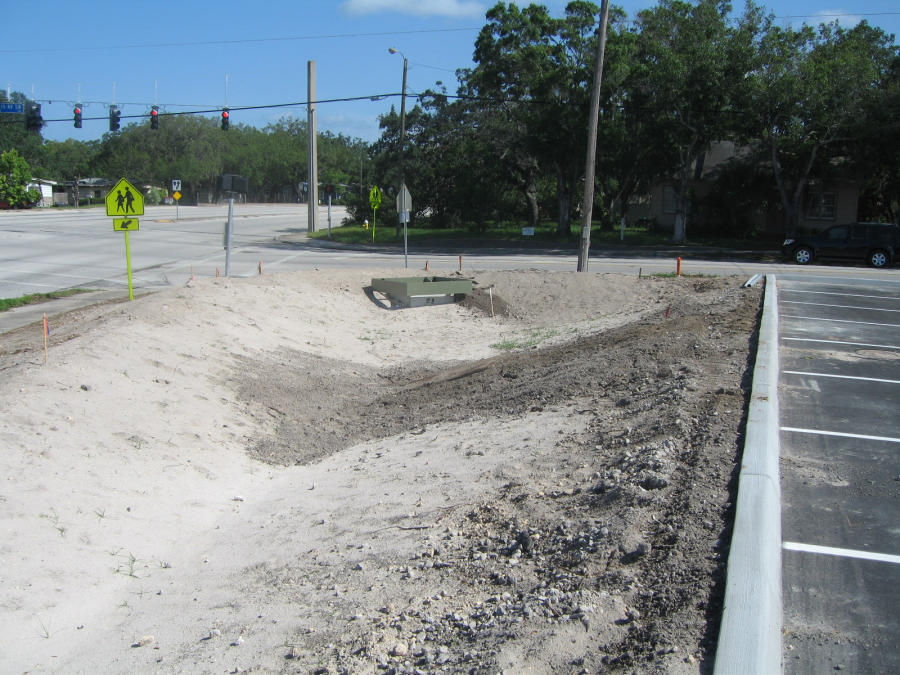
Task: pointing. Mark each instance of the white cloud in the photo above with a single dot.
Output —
(451, 8)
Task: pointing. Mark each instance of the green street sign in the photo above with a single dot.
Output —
(375, 197)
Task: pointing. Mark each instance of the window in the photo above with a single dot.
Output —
(821, 205)
(839, 233)
(668, 199)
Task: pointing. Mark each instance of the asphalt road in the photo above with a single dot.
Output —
(44, 250)
(840, 472)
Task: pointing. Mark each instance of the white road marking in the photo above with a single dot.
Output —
(841, 377)
(863, 437)
(846, 295)
(819, 304)
(839, 342)
(841, 552)
(818, 318)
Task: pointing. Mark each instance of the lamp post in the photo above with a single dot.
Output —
(392, 50)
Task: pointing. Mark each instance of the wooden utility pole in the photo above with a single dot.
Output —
(587, 208)
(312, 164)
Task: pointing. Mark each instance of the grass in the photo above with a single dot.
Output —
(35, 298)
(530, 339)
(545, 233)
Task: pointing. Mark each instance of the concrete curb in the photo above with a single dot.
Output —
(750, 633)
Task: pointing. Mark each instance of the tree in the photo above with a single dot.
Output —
(13, 134)
(682, 86)
(537, 71)
(805, 97)
(67, 160)
(15, 175)
(876, 163)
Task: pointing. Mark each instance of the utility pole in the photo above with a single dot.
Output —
(587, 207)
(312, 165)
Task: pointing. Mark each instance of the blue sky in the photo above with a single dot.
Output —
(201, 55)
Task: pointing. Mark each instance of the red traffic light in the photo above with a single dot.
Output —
(225, 119)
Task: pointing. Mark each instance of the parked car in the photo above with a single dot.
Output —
(877, 244)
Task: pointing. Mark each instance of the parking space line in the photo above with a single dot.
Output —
(840, 377)
(843, 295)
(861, 437)
(841, 342)
(841, 552)
(819, 318)
(819, 304)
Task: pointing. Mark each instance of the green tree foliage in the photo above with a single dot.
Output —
(15, 175)
(804, 99)
(684, 88)
(873, 150)
(13, 134)
(805, 106)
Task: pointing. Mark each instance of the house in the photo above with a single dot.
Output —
(755, 198)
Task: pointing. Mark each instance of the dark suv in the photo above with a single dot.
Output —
(878, 244)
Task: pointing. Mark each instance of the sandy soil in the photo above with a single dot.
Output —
(280, 474)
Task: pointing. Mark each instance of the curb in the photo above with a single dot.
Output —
(750, 633)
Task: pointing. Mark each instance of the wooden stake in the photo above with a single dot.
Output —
(46, 337)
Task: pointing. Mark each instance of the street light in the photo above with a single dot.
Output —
(392, 50)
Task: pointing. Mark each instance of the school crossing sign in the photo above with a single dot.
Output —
(125, 203)
(124, 200)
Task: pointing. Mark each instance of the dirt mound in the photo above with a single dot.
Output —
(289, 477)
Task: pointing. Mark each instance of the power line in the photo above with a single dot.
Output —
(335, 36)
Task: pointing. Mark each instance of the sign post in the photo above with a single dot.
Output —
(176, 187)
(375, 197)
(125, 200)
(404, 206)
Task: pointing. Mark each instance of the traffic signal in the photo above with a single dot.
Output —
(114, 115)
(225, 121)
(77, 114)
(33, 119)
(154, 117)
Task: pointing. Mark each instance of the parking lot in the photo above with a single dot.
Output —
(839, 391)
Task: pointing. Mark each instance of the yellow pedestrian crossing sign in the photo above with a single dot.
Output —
(125, 224)
(124, 200)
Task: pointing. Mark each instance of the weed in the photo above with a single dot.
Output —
(126, 564)
(45, 630)
(530, 339)
(53, 517)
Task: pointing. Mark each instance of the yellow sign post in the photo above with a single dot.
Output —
(125, 200)
(375, 198)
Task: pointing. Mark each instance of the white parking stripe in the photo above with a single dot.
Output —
(841, 377)
(863, 437)
(840, 342)
(819, 304)
(818, 318)
(841, 552)
(843, 295)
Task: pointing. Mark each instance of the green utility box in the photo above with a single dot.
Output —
(421, 291)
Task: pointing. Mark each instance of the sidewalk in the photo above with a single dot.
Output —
(29, 314)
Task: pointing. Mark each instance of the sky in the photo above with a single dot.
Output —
(199, 55)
